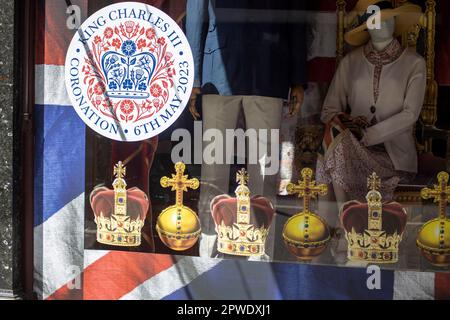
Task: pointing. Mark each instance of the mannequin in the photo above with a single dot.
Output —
(372, 105)
(239, 76)
(380, 39)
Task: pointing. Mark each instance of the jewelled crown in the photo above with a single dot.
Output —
(373, 230)
(242, 223)
(127, 73)
(119, 213)
(434, 237)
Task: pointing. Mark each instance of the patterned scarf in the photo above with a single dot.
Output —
(381, 58)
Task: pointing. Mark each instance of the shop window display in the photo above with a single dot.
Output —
(241, 130)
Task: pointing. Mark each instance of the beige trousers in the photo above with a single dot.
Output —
(222, 113)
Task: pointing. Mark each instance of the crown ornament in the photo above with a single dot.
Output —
(237, 234)
(306, 234)
(434, 237)
(127, 73)
(178, 226)
(120, 213)
(373, 230)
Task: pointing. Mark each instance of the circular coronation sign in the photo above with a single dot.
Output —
(129, 71)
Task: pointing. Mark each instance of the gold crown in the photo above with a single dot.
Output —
(374, 244)
(178, 226)
(242, 238)
(434, 237)
(306, 234)
(119, 229)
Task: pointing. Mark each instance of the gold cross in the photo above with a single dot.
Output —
(120, 170)
(242, 177)
(307, 189)
(440, 193)
(179, 182)
(373, 182)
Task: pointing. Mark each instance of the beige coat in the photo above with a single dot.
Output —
(402, 91)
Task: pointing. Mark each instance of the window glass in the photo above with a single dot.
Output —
(294, 106)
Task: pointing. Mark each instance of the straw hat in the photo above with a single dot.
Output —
(405, 15)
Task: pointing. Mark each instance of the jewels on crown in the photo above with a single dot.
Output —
(242, 238)
(374, 244)
(119, 229)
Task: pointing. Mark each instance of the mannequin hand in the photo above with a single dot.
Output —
(192, 103)
(345, 119)
(361, 122)
(355, 125)
(349, 121)
(295, 100)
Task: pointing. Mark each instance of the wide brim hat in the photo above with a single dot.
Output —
(406, 16)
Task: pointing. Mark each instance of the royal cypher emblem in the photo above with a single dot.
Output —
(129, 71)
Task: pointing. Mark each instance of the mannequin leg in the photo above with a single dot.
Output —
(264, 113)
(219, 113)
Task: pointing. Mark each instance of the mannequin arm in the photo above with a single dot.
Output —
(336, 99)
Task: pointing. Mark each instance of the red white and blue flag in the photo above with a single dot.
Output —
(65, 270)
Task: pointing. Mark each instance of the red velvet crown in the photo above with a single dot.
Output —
(102, 201)
(354, 216)
(242, 231)
(224, 208)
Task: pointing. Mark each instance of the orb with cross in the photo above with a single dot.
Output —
(306, 234)
(434, 237)
(178, 226)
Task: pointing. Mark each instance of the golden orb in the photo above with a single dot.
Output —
(434, 237)
(178, 227)
(434, 242)
(306, 235)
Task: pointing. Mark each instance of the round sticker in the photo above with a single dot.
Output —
(129, 71)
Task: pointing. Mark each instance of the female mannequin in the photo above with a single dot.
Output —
(372, 105)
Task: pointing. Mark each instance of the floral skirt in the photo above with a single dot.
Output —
(344, 161)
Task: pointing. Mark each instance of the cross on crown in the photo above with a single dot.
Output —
(119, 172)
(242, 177)
(374, 182)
